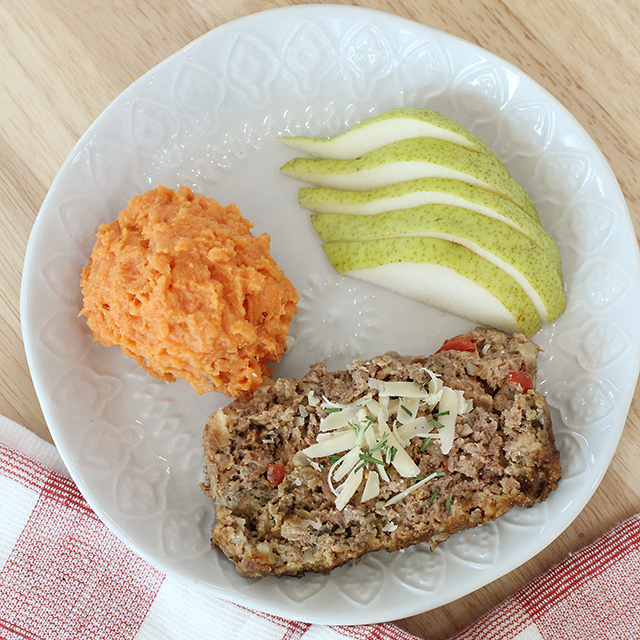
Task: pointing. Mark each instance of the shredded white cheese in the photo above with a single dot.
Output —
(347, 463)
(400, 459)
(372, 434)
(349, 488)
(301, 460)
(397, 389)
(371, 487)
(407, 409)
(339, 442)
(338, 417)
(411, 489)
(448, 410)
(417, 427)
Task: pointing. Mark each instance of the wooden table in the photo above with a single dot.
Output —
(63, 62)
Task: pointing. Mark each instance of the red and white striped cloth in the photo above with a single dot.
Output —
(63, 575)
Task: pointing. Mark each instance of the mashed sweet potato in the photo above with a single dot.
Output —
(183, 287)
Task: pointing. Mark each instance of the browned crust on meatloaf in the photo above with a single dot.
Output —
(503, 455)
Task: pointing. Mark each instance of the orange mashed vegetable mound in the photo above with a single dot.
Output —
(182, 286)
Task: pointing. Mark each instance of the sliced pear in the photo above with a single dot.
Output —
(385, 128)
(407, 160)
(501, 245)
(429, 191)
(442, 273)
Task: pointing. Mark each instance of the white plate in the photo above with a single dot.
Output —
(209, 117)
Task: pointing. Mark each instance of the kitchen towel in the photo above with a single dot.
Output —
(65, 576)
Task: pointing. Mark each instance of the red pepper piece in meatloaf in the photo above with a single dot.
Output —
(503, 455)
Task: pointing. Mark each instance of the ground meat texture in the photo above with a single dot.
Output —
(503, 456)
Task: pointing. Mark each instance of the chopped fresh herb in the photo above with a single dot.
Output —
(332, 409)
(425, 444)
(359, 429)
(436, 424)
(367, 457)
(434, 495)
(390, 454)
(362, 465)
(407, 411)
(381, 443)
(440, 474)
(334, 458)
(447, 504)
(441, 413)
(426, 382)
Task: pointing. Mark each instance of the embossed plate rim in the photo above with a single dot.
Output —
(400, 600)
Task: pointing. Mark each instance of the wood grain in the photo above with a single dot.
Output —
(63, 62)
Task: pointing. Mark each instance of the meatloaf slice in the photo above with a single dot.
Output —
(276, 505)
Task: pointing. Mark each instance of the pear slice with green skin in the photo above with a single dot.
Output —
(407, 160)
(385, 128)
(429, 191)
(441, 273)
(501, 245)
